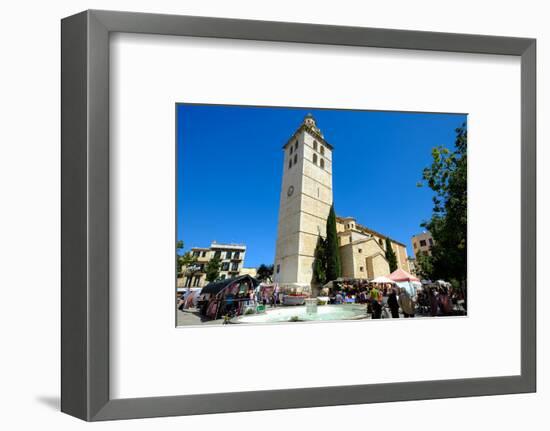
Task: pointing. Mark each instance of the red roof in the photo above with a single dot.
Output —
(400, 275)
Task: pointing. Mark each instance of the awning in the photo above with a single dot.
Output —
(216, 287)
(401, 275)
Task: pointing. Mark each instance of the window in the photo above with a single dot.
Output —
(361, 269)
(222, 277)
(315, 145)
(315, 159)
(360, 251)
(380, 241)
(322, 150)
(217, 254)
(228, 255)
(203, 254)
(278, 268)
(289, 163)
(296, 145)
(225, 266)
(235, 266)
(422, 243)
(291, 149)
(237, 255)
(431, 241)
(322, 163)
(295, 158)
(196, 253)
(197, 281)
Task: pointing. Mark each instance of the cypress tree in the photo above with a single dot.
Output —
(390, 256)
(320, 264)
(334, 266)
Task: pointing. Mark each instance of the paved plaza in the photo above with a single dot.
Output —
(191, 317)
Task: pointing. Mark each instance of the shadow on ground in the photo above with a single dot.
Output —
(53, 402)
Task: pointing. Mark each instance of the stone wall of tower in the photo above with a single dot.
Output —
(287, 245)
(302, 216)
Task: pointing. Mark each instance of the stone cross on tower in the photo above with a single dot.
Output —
(306, 197)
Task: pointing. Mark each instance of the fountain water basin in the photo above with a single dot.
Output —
(303, 314)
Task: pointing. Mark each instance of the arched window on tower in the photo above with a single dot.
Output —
(289, 163)
(291, 149)
(322, 163)
(315, 159)
(322, 150)
(296, 145)
(295, 158)
(315, 145)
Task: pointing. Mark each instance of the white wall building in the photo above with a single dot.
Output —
(231, 258)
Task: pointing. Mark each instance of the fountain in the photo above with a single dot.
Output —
(300, 313)
(311, 305)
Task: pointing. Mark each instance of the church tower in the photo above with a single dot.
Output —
(306, 197)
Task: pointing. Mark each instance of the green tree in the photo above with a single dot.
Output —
(179, 249)
(183, 260)
(447, 177)
(332, 249)
(264, 273)
(212, 269)
(320, 262)
(424, 266)
(186, 261)
(390, 256)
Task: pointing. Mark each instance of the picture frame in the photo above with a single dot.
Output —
(85, 340)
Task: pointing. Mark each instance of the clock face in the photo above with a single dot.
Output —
(290, 191)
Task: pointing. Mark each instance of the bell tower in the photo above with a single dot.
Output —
(306, 197)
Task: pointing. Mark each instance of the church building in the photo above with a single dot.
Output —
(305, 200)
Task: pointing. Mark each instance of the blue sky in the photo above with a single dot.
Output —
(230, 169)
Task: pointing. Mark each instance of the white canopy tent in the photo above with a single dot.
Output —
(381, 279)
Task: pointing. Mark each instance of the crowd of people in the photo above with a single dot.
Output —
(390, 300)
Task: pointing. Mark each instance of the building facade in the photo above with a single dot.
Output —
(422, 244)
(363, 250)
(305, 201)
(231, 258)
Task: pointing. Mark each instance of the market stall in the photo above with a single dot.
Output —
(227, 296)
(405, 280)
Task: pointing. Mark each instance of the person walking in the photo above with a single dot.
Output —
(375, 303)
(276, 295)
(393, 303)
(445, 303)
(406, 303)
(434, 302)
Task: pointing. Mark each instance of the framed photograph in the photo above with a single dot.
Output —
(267, 215)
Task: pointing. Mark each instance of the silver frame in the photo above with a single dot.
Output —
(85, 215)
